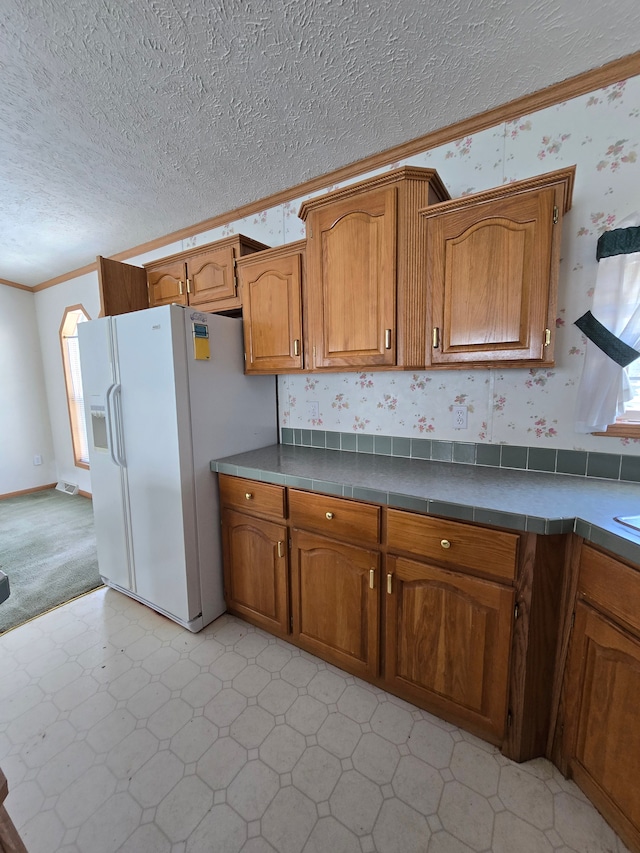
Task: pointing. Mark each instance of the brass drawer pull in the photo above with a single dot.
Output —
(296, 347)
(372, 578)
(445, 543)
(280, 548)
(389, 589)
(248, 496)
(387, 339)
(328, 515)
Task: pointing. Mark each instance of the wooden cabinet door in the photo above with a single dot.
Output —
(489, 268)
(255, 570)
(211, 276)
(447, 643)
(602, 735)
(351, 252)
(335, 601)
(272, 313)
(123, 287)
(167, 283)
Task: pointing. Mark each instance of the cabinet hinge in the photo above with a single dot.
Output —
(291, 623)
(509, 719)
(516, 611)
(573, 618)
(310, 234)
(556, 214)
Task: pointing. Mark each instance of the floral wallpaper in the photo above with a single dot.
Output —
(600, 133)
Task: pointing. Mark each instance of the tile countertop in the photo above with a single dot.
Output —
(520, 500)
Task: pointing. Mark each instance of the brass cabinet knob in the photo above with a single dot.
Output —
(329, 515)
(248, 495)
(445, 543)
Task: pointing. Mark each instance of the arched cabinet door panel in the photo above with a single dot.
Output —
(448, 640)
(271, 290)
(255, 570)
(335, 601)
(492, 273)
(366, 288)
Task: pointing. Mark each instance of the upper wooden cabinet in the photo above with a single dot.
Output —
(271, 291)
(492, 273)
(204, 276)
(365, 271)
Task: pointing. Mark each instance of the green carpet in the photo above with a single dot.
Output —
(48, 552)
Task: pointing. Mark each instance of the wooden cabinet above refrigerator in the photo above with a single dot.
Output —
(204, 277)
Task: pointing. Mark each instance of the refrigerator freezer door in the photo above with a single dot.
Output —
(156, 430)
(108, 479)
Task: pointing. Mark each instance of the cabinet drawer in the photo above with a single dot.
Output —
(252, 496)
(335, 517)
(490, 552)
(611, 585)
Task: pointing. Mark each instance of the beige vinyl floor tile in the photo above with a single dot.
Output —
(121, 732)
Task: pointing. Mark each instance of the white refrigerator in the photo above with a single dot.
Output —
(158, 410)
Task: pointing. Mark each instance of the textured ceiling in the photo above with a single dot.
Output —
(121, 122)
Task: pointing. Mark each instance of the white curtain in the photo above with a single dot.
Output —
(604, 387)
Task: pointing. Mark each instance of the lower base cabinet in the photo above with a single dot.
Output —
(256, 584)
(421, 606)
(335, 601)
(459, 619)
(600, 716)
(448, 641)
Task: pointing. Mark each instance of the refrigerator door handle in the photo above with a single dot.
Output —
(113, 429)
(117, 411)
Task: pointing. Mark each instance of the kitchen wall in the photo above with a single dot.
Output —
(599, 132)
(24, 417)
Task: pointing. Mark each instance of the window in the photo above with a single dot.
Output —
(628, 425)
(73, 381)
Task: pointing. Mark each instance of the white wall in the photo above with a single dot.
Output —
(24, 418)
(50, 309)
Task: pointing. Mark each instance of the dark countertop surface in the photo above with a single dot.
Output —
(520, 500)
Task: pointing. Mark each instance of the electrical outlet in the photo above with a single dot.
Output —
(37, 459)
(459, 417)
(313, 410)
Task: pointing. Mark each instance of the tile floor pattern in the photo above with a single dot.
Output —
(120, 731)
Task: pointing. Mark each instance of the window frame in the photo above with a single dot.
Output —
(74, 405)
(627, 425)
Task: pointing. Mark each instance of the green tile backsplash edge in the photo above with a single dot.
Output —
(610, 466)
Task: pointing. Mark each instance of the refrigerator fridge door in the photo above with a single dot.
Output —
(156, 428)
(108, 477)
